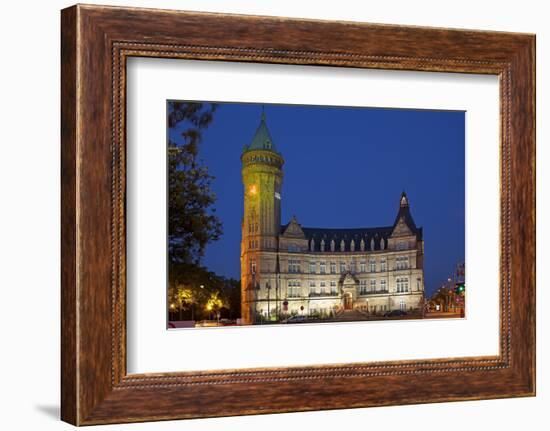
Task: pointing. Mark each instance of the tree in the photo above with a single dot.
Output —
(192, 222)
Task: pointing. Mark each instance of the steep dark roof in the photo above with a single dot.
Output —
(405, 213)
(367, 234)
(262, 139)
(356, 234)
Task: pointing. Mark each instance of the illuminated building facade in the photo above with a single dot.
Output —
(289, 269)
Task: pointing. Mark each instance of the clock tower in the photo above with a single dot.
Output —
(262, 177)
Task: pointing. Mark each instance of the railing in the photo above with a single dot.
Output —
(371, 292)
(318, 294)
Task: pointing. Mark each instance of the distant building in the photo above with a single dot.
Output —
(292, 269)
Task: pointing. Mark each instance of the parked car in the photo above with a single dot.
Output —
(296, 319)
(395, 313)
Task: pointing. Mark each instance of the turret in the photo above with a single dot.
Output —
(262, 178)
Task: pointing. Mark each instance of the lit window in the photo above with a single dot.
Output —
(372, 265)
(294, 289)
(401, 262)
(293, 266)
(402, 284)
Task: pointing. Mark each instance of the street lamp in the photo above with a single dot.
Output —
(268, 287)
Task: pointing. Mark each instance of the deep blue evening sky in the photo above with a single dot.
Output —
(346, 167)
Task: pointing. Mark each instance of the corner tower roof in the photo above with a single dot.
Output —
(404, 214)
(262, 138)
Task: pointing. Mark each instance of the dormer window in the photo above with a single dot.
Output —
(342, 245)
(382, 244)
(332, 245)
(312, 245)
(322, 245)
(372, 244)
(362, 244)
(352, 245)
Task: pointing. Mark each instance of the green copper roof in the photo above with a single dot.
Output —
(262, 139)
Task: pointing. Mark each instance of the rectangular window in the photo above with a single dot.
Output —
(363, 287)
(333, 288)
(333, 267)
(352, 266)
(373, 285)
(293, 266)
(342, 267)
(372, 265)
(253, 266)
(312, 288)
(323, 290)
(363, 266)
(401, 262)
(294, 289)
(402, 284)
(323, 268)
(312, 267)
(383, 264)
(383, 286)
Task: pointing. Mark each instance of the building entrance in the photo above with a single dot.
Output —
(348, 302)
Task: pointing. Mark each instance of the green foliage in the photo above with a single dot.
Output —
(194, 293)
(192, 222)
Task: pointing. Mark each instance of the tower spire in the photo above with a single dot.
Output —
(262, 139)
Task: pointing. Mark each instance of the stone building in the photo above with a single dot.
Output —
(289, 269)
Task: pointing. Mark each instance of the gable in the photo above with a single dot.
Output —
(294, 230)
(401, 228)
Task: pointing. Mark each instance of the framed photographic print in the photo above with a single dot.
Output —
(257, 208)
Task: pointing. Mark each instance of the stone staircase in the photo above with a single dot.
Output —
(350, 315)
